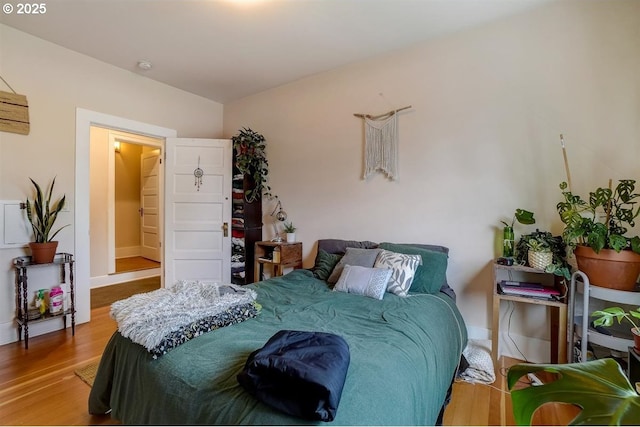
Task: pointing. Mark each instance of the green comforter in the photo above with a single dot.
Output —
(404, 352)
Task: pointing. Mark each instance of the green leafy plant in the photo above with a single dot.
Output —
(289, 227)
(42, 214)
(544, 241)
(606, 316)
(522, 216)
(251, 159)
(603, 221)
(598, 387)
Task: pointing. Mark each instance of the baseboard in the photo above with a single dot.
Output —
(534, 350)
(128, 252)
(9, 330)
(112, 279)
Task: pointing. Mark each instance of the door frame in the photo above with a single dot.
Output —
(84, 120)
(128, 138)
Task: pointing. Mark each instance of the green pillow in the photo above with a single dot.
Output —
(431, 275)
(325, 263)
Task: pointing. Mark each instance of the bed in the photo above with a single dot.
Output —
(404, 352)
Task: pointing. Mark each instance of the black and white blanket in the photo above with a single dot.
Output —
(165, 318)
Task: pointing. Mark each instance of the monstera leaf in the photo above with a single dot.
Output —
(598, 387)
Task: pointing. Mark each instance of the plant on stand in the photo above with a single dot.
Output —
(544, 251)
(42, 215)
(595, 230)
(290, 230)
(508, 237)
(251, 159)
(606, 317)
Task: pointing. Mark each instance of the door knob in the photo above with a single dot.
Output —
(225, 229)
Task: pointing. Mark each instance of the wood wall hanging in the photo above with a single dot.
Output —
(14, 112)
(381, 143)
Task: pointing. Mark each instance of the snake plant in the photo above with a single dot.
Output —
(42, 215)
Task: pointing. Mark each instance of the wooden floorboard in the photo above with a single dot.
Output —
(38, 386)
(134, 264)
(107, 295)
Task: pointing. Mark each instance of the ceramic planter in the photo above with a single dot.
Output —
(608, 268)
(43, 253)
(539, 260)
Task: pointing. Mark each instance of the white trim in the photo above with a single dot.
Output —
(112, 279)
(84, 120)
(536, 350)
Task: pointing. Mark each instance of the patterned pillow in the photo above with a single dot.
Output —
(403, 268)
(369, 282)
(325, 263)
(354, 256)
(431, 276)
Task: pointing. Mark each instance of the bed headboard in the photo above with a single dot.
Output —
(339, 246)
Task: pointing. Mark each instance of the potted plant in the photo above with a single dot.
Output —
(42, 215)
(598, 387)
(508, 237)
(606, 316)
(596, 233)
(544, 251)
(290, 229)
(251, 160)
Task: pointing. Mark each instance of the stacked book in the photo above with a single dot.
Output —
(528, 289)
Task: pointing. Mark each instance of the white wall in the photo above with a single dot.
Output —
(56, 82)
(481, 140)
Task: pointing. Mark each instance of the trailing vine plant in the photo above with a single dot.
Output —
(251, 159)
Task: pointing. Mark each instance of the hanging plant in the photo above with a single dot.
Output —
(251, 159)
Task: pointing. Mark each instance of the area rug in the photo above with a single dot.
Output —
(87, 373)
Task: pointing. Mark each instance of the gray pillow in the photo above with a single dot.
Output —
(339, 246)
(354, 256)
(369, 282)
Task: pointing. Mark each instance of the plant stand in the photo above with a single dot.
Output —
(21, 266)
(580, 284)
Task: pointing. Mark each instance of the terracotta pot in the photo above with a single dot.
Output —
(43, 253)
(609, 269)
(636, 338)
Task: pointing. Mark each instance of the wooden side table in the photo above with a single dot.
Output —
(558, 324)
(277, 254)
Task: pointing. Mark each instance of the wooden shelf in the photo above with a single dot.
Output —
(558, 324)
(290, 256)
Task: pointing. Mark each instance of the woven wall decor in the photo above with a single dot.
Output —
(14, 112)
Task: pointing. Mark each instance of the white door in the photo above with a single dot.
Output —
(197, 237)
(150, 218)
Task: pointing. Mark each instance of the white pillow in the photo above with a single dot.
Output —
(403, 267)
(366, 281)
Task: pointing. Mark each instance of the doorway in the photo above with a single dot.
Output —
(125, 195)
(85, 119)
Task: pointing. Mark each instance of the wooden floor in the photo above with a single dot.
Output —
(38, 386)
(134, 264)
(107, 295)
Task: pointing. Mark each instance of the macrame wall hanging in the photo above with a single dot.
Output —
(381, 143)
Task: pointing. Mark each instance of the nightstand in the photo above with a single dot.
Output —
(277, 254)
(558, 323)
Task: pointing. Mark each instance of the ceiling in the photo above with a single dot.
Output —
(225, 49)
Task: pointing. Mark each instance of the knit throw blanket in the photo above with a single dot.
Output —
(148, 318)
